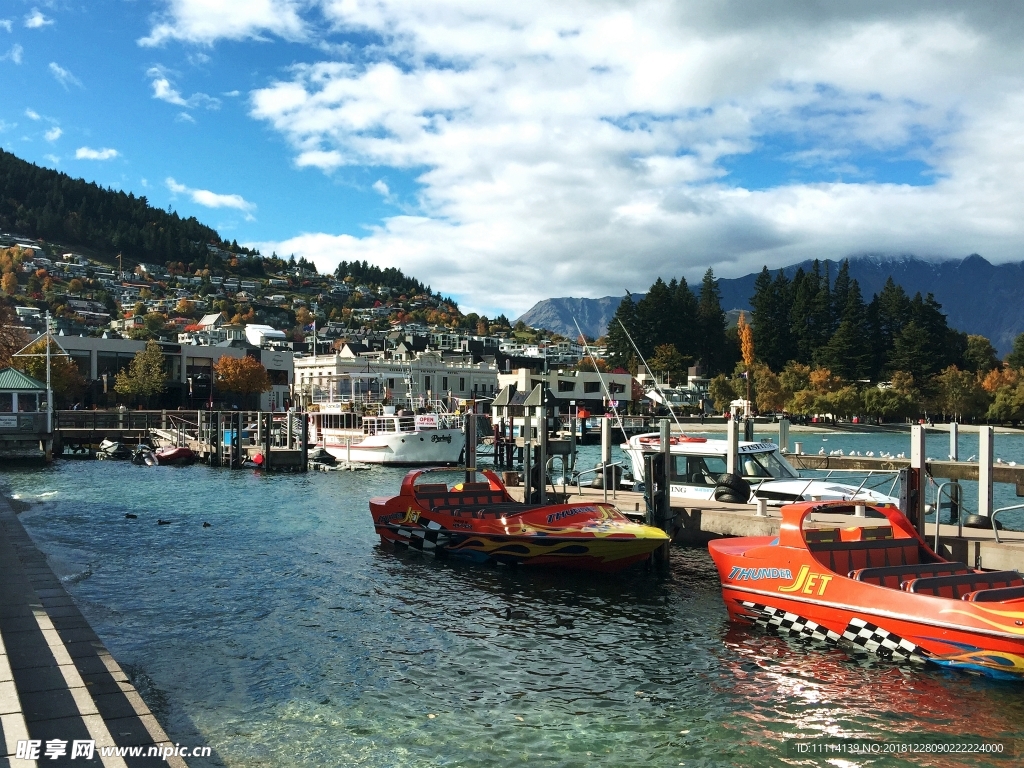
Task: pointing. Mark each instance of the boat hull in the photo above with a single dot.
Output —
(175, 456)
(790, 589)
(432, 447)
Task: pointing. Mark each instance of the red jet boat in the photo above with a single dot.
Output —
(482, 522)
(875, 589)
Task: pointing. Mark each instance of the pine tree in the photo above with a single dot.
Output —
(770, 319)
(655, 321)
(711, 348)
(687, 328)
(620, 350)
(848, 352)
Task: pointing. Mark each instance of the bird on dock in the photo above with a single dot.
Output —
(901, 455)
(207, 525)
(163, 522)
(972, 458)
(870, 454)
(130, 516)
(821, 451)
(510, 614)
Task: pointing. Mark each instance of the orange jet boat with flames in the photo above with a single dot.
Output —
(480, 521)
(875, 589)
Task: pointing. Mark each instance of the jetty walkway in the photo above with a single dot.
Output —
(701, 522)
(58, 683)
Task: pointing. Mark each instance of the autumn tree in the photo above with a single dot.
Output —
(9, 284)
(66, 380)
(668, 360)
(244, 376)
(11, 336)
(721, 391)
(75, 286)
(145, 376)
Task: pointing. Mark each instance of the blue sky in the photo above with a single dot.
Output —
(506, 153)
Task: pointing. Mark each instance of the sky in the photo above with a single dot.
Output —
(508, 152)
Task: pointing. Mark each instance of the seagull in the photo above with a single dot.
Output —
(130, 516)
(972, 458)
(207, 525)
(870, 453)
(821, 451)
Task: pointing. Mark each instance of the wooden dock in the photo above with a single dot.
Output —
(274, 441)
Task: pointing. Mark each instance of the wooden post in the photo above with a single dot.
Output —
(986, 446)
(304, 435)
(606, 452)
(784, 435)
(732, 455)
(266, 441)
(237, 441)
(917, 460)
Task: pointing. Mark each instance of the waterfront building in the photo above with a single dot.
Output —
(23, 425)
(428, 375)
(585, 388)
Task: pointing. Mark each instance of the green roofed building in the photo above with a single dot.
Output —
(23, 433)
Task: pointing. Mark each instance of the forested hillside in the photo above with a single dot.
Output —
(41, 203)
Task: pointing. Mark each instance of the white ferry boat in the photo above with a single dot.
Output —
(698, 462)
(380, 434)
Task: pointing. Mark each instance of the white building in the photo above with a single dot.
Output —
(584, 387)
(428, 375)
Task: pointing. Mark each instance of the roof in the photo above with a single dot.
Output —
(13, 380)
(212, 320)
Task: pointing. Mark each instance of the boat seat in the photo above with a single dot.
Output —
(476, 487)
(844, 556)
(995, 595)
(958, 586)
(431, 488)
(895, 575)
(446, 501)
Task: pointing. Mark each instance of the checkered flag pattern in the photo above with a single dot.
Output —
(791, 624)
(880, 641)
(427, 539)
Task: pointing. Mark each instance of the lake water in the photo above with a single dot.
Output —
(284, 636)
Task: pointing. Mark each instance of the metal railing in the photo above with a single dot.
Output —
(603, 469)
(995, 529)
(952, 501)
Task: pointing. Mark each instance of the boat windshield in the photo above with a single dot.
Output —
(767, 464)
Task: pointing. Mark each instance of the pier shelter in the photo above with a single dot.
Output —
(23, 432)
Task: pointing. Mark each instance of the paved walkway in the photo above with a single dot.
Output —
(57, 680)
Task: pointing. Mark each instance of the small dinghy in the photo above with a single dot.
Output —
(178, 457)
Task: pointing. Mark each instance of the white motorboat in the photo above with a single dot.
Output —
(698, 463)
(384, 435)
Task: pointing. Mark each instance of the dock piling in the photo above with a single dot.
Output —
(986, 446)
(732, 455)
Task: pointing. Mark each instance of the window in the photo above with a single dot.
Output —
(591, 386)
(462, 385)
(277, 378)
(26, 401)
(566, 386)
(6, 402)
(616, 389)
(444, 383)
(426, 383)
(698, 470)
(391, 383)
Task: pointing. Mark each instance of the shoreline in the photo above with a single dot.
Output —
(53, 662)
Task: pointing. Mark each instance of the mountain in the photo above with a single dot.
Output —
(978, 297)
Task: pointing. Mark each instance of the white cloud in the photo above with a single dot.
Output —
(31, 114)
(86, 153)
(210, 199)
(14, 54)
(381, 186)
(7, 24)
(591, 144)
(53, 134)
(53, 159)
(63, 76)
(163, 90)
(184, 117)
(36, 20)
(205, 21)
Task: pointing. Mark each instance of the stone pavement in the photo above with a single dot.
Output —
(57, 680)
